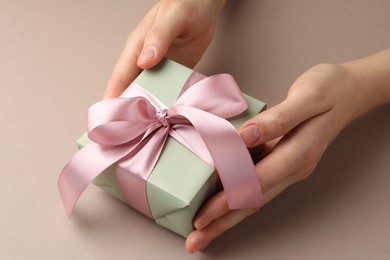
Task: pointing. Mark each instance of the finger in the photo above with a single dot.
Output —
(283, 117)
(199, 239)
(126, 68)
(267, 148)
(217, 206)
(168, 24)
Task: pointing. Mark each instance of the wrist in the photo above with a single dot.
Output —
(369, 81)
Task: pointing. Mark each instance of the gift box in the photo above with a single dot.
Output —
(180, 181)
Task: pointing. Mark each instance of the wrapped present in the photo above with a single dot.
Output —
(159, 146)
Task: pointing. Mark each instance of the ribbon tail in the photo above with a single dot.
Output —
(132, 174)
(231, 157)
(83, 168)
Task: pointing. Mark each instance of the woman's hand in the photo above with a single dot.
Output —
(297, 132)
(178, 29)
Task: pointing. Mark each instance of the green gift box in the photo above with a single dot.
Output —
(180, 182)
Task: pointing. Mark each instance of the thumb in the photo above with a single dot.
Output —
(280, 119)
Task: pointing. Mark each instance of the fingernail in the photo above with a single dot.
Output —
(198, 224)
(250, 134)
(196, 249)
(146, 55)
(203, 246)
(200, 247)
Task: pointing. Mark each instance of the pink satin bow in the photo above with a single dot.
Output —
(131, 131)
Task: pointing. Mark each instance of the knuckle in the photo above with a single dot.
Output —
(112, 84)
(315, 83)
(219, 229)
(221, 200)
(180, 8)
(265, 186)
(177, 6)
(133, 36)
(154, 32)
(317, 93)
(308, 164)
(314, 91)
(251, 211)
(282, 123)
(303, 175)
(274, 123)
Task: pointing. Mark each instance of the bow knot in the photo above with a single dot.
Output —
(161, 116)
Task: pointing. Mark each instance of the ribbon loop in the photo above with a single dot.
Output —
(118, 121)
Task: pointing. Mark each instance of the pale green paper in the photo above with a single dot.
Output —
(180, 181)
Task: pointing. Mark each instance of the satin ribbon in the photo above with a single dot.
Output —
(131, 131)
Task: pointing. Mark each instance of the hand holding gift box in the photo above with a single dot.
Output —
(156, 174)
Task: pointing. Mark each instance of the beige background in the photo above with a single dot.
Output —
(55, 58)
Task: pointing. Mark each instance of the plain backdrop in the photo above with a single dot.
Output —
(55, 59)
